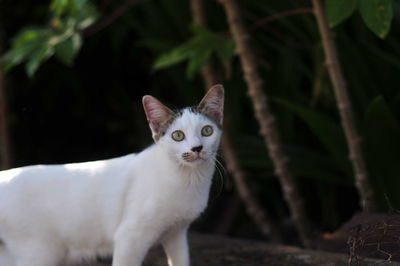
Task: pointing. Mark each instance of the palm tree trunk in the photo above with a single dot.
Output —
(364, 188)
(266, 119)
(253, 207)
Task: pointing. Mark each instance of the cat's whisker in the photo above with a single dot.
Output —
(219, 165)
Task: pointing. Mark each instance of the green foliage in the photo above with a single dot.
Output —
(382, 142)
(339, 10)
(377, 14)
(197, 51)
(67, 50)
(37, 56)
(305, 162)
(328, 131)
(26, 46)
(61, 38)
(61, 7)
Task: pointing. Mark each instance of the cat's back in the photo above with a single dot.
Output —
(78, 200)
(65, 186)
(43, 176)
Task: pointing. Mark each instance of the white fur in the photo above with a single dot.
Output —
(52, 215)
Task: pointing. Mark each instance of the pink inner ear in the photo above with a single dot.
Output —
(214, 108)
(155, 125)
(155, 111)
(213, 103)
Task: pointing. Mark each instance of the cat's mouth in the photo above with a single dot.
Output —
(193, 156)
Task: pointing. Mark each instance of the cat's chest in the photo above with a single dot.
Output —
(190, 203)
(184, 200)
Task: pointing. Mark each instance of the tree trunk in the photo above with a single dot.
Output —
(253, 207)
(266, 119)
(365, 190)
(5, 153)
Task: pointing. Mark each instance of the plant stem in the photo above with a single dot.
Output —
(365, 190)
(118, 12)
(266, 120)
(4, 139)
(199, 18)
(261, 218)
(264, 21)
(253, 207)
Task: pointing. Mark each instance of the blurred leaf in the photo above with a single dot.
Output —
(377, 14)
(339, 10)
(23, 45)
(327, 130)
(197, 51)
(78, 4)
(67, 50)
(26, 36)
(62, 36)
(382, 142)
(226, 49)
(59, 6)
(87, 15)
(173, 57)
(37, 58)
(197, 61)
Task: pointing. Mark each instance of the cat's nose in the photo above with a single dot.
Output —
(197, 148)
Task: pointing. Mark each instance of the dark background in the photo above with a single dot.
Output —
(92, 110)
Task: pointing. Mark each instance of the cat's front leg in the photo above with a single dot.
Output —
(131, 245)
(176, 247)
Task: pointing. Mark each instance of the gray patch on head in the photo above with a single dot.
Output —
(203, 111)
(167, 123)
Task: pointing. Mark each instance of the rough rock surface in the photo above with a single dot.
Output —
(220, 251)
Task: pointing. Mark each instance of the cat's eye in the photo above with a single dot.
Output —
(178, 135)
(207, 131)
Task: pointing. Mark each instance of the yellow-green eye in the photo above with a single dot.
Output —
(207, 131)
(178, 135)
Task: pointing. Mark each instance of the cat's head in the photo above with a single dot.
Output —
(190, 135)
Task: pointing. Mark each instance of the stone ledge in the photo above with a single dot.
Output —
(211, 250)
(219, 251)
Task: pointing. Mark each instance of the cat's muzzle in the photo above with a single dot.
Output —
(192, 156)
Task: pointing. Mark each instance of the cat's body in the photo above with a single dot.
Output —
(54, 214)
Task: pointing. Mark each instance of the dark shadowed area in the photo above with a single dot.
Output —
(297, 161)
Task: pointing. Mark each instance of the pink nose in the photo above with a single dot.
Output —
(197, 148)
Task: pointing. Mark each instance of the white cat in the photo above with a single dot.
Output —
(52, 215)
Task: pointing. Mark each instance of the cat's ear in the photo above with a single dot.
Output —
(158, 115)
(212, 104)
